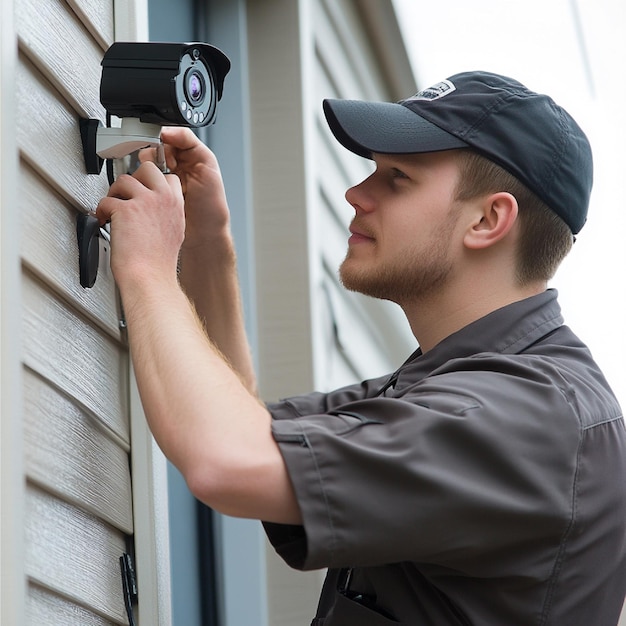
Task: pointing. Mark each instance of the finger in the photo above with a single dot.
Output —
(149, 175)
(174, 183)
(106, 208)
(179, 137)
(124, 187)
(127, 187)
(150, 155)
(147, 154)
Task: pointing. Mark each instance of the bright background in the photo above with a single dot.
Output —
(575, 51)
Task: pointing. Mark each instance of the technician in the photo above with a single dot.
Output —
(482, 482)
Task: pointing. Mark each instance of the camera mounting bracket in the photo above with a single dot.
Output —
(100, 142)
(116, 143)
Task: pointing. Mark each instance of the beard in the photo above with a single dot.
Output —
(401, 279)
(406, 276)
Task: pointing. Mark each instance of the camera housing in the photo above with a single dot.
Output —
(147, 86)
(168, 84)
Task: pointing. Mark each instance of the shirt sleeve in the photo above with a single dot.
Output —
(450, 473)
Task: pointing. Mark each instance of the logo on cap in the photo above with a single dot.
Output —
(435, 92)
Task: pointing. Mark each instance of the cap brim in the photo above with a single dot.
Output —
(385, 128)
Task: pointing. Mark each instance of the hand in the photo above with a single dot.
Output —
(147, 224)
(206, 209)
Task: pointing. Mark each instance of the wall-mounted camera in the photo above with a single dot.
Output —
(147, 86)
(177, 84)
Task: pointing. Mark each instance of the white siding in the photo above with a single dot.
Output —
(74, 554)
(12, 589)
(50, 609)
(78, 511)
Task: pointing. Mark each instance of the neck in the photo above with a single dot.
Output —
(436, 317)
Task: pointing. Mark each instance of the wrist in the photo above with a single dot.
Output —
(144, 283)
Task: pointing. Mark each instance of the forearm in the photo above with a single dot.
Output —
(208, 275)
(200, 414)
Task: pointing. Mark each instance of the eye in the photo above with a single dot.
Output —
(397, 174)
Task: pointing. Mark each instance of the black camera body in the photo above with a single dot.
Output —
(169, 84)
(146, 85)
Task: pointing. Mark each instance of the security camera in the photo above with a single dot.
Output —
(149, 85)
(176, 84)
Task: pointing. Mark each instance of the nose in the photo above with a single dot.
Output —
(359, 197)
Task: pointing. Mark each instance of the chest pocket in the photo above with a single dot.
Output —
(349, 612)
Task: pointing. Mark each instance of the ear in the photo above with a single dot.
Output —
(496, 214)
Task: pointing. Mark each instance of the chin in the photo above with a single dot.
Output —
(368, 283)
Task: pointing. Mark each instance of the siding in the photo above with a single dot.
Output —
(78, 505)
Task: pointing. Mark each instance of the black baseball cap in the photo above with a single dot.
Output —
(524, 132)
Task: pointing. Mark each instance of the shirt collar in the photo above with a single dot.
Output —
(508, 330)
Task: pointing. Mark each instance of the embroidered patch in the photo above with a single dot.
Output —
(435, 92)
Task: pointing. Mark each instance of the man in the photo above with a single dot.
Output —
(483, 482)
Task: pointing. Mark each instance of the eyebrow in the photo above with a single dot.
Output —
(399, 161)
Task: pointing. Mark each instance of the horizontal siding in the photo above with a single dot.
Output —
(79, 509)
(74, 554)
(51, 142)
(97, 18)
(64, 349)
(344, 50)
(70, 454)
(49, 249)
(360, 342)
(59, 44)
(332, 206)
(47, 609)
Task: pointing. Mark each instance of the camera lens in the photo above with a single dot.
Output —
(195, 90)
(194, 86)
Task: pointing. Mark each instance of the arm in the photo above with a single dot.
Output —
(208, 270)
(202, 415)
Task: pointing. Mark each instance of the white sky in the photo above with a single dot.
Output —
(575, 51)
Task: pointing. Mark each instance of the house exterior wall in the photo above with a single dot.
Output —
(69, 407)
(78, 504)
(13, 587)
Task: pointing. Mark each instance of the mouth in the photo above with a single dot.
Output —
(359, 235)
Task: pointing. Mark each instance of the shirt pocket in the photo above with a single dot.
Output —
(348, 612)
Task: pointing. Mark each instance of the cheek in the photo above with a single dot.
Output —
(424, 228)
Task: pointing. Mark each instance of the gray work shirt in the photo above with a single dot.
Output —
(483, 483)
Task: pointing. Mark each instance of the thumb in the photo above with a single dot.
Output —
(179, 137)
